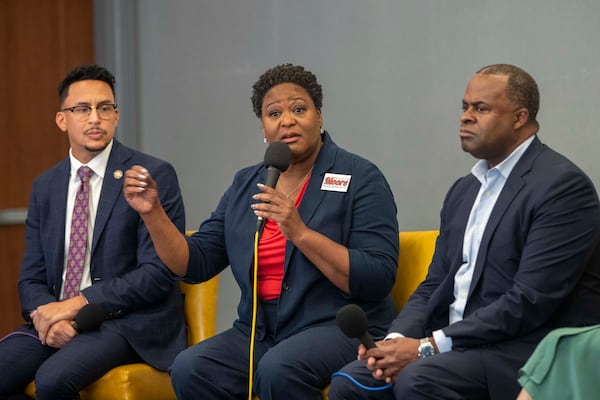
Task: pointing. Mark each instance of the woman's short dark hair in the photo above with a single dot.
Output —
(286, 73)
(83, 73)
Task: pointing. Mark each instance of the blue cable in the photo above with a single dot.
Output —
(360, 385)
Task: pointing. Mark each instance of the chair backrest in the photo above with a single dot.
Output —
(200, 309)
(416, 251)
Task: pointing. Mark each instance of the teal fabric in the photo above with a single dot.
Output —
(565, 365)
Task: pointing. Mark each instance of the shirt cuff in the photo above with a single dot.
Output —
(393, 335)
(443, 342)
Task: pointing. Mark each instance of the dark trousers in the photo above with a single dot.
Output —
(297, 367)
(59, 373)
(478, 374)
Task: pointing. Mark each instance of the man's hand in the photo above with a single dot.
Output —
(60, 334)
(389, 357)
(47, 315)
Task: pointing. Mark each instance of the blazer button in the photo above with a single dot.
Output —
(285, 286)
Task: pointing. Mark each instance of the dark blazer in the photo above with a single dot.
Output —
(363, 219)
(530, 274)
(142, 300)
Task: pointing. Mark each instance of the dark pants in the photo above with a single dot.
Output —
(478, 374)
(59, 373)
(294, 368)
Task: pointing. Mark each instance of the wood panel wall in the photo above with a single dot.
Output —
(40, 41)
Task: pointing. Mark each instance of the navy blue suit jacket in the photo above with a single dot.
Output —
(142, 300)
(363, 219)
(530, 274)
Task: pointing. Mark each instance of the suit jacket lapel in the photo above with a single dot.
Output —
(512, 187)
(313, 196)
(464, 211)
(459, 215)
(59, 188)
(112, 187)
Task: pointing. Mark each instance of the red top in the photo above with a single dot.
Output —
(271, 256)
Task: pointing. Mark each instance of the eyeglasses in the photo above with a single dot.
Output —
(82, 113)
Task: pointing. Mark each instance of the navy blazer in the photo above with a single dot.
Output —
(363, 219)
(530, 274)
(142, 300)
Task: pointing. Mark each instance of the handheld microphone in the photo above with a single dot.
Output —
(277, 160)
(89, 318)
(353, 321)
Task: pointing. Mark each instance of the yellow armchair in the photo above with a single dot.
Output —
(416, 252)
(143, 382)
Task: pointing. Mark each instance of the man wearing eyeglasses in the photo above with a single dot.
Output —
(85, 245)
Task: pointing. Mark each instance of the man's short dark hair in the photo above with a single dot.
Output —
(521, 89)
(83, 73)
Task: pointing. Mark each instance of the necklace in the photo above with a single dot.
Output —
(287, 195)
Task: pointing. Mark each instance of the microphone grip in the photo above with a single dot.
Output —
(260, 225)
(367, 340)
(272, 178)
(76, 327)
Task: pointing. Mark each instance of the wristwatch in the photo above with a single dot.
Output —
(426, 348)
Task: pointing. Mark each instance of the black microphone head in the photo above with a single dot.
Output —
(352, 320)
(277, 159)
(89, 318)
(278, 155)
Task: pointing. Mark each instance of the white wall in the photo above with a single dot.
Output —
(393, 74)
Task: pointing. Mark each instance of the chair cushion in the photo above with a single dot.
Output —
(132, 382)
(143, 382)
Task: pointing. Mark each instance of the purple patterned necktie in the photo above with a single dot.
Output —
(78, 238)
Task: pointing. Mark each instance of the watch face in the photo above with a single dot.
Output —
(426, 350)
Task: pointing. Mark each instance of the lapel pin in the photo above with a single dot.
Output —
(118, 174)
